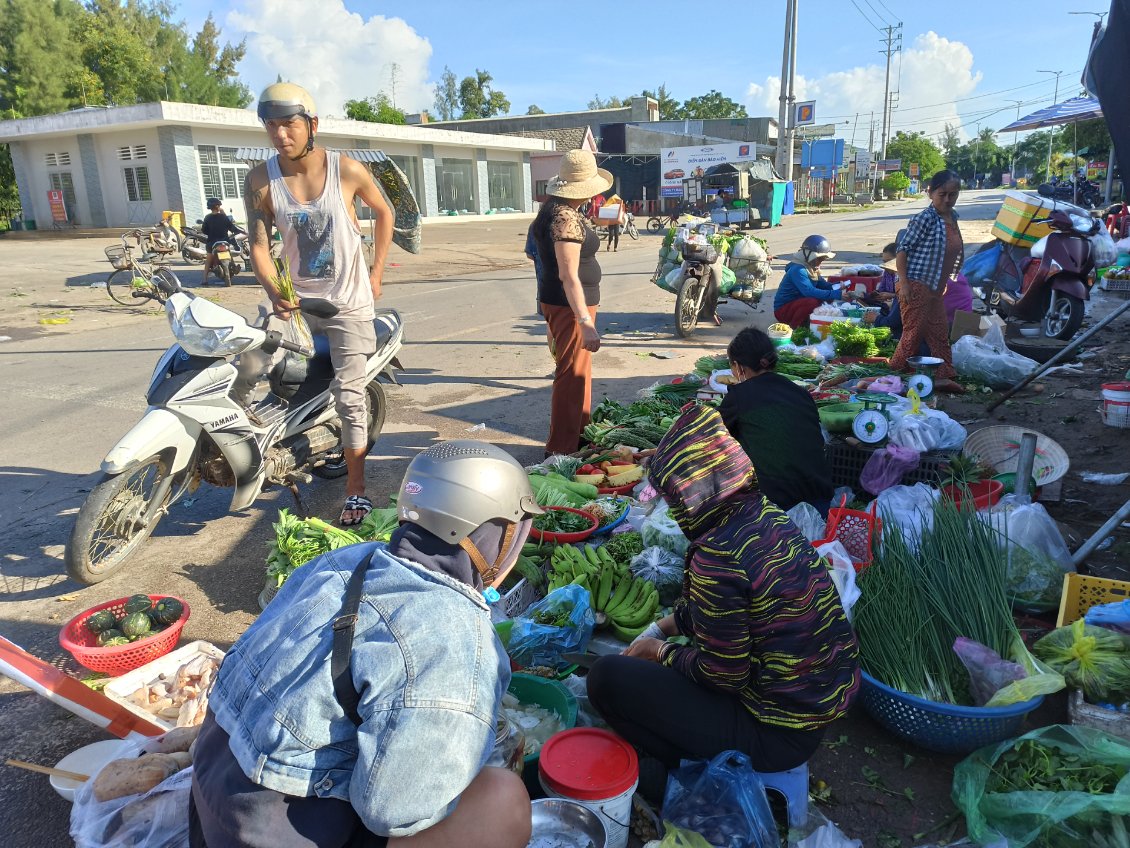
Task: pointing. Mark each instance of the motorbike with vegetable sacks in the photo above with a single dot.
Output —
(225, 410)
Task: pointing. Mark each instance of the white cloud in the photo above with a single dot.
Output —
(935, 73)
(336, 54)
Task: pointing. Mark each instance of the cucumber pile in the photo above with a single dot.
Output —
(624, 603)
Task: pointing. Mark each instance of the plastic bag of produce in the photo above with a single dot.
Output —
(664, 569)
(980, 266)
(1059, 786)
(989, 360)
(660, 530)
(722, 800)
(729, 280)
(560, 623)
(924, 429)
(908, 510)
(672, 280)
(843, 574)
(886, 467)
(1103, 250)
(988, 671)
(157, 818)
(1037, 554)
(1093, 659)
(1114, 616)
(748, 248)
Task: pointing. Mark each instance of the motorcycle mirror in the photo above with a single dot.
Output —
(317, 307)
(1044, 190)
(200, 220)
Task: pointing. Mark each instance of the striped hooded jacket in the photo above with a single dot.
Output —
(766, 621)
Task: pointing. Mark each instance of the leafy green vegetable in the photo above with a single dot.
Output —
(1032, 767)
(858, 339)
(561, 521)
(379, 525)
(805, 336)
(623, 546)
(1091, 658)
(297, 541)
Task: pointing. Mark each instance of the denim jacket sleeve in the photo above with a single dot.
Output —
(396, 788)
(805, 286)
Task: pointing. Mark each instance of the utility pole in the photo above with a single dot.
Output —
(394, 74)
(792, 88)
(1051, 133)
(783, 115)
(893, 40)
(1012, 166)
(871, 150)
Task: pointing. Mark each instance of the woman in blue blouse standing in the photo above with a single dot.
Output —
(929, 254)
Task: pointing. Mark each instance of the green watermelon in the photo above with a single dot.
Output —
(100, 621)
(166, 611)
(106, 635)
(137, 624)
(138, 603)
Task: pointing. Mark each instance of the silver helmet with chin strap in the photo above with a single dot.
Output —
(454, 487)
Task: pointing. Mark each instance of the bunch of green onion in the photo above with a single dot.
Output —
(915, 603)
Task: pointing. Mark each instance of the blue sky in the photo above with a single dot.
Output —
(961, 60)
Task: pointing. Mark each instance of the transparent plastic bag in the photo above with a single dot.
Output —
(663, 568)
(1061, 819)
(886, 468)
(920, 428)
(808, 520)
(722, 800)
(1038, 556)
(989, 360)
(660, 530)
(988, 671)
(1103, 250)
(535, 643)
(843, 574)
(908, 510)
(672, 281)
(154, 819)
(1093, 659)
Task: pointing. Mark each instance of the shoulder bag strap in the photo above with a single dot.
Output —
(343, 626)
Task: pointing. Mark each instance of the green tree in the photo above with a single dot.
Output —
(668, 105)
(599, 102)
(896, 181)
(1032, 155)
(447, 95)
(375, 110)
(535, 110)
(713, 104)
(951, 141)
(918, 149)
(36, 62)
(478, 99)
(1094, 137)
(206, 72)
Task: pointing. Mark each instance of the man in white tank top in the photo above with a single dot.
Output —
(308, 193)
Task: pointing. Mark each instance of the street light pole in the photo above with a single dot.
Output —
(1012, 166)
(1051, 133)
(783, 115)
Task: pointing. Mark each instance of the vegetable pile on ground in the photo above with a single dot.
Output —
(622, 602)
(706, 365)
(916, 603)
(861, 340)
(609, 474)
(299, 540)
(641, 424)
(536, 723)
(797, 365)
(140, 619)
(555, 489)
(1090, 658)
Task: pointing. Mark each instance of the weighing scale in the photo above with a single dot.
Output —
(923, 380)
(872, 424)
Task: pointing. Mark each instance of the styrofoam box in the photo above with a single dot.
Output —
(120, 688)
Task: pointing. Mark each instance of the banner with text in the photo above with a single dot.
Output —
(679, 163)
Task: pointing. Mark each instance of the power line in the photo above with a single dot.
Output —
(864, 16)
(889, 12)
(876, 11)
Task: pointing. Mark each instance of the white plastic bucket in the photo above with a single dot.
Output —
(1116, 405)
(821, 324)
(597, 769)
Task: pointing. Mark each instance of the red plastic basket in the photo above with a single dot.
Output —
(82, 643)
(566, 538)
(855, 530)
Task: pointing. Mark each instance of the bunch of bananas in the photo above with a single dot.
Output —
(625, 603)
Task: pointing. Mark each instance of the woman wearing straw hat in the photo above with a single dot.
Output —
(569, 291)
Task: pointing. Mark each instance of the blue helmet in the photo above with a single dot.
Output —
(815, 247)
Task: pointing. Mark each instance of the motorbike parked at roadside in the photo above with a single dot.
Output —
(1079, 191)
(1049, 284)
(225, 262)
(211, 418)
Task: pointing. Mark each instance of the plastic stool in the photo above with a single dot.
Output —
(793, 785)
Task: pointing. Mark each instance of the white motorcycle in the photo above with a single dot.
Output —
(212, 418)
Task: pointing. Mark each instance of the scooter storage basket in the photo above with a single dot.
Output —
(700, 253)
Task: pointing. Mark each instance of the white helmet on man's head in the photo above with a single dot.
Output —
(282, 101)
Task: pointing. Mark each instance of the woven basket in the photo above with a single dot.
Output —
(1000, 448)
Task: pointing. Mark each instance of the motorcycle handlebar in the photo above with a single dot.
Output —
(275, 340)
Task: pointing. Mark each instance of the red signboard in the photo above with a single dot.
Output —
(58, 207)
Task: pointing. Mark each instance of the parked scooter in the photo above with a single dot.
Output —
(193, 245)
(211, 418)
(698, 290)
(1052, 282)
(225, 262)
(1080, 191)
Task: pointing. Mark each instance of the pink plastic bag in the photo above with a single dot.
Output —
(886, 468)
(988, 671)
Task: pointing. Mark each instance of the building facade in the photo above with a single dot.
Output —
(123, 166)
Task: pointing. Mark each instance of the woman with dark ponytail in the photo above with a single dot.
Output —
(776, 423)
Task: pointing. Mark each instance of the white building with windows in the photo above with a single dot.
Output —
(125, 165)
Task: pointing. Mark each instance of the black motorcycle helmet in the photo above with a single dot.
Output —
(213, 202)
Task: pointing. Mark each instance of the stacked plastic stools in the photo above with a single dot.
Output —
(793, 785)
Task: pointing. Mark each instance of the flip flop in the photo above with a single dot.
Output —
(356, 503)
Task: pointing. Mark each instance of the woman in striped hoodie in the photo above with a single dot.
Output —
(772, 659)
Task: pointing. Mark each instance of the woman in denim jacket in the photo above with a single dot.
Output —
(368, 721)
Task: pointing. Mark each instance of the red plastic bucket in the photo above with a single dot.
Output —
(596, 768)
(985, 493)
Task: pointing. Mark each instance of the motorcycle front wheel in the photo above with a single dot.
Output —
(687, 305)
(376, 406)
(1064, 317)
(632, 231)
(111, 524)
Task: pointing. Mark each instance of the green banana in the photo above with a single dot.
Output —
(603, 590)
(605, 558)
(642, 615)
(590, 555)
(623, 586)
(626, 634)
(630, 601)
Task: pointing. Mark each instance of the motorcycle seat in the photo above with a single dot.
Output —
(292, 371)
(386, 322)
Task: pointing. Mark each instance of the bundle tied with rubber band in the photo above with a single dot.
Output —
(296, 330)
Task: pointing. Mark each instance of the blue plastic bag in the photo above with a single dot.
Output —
(1115, 616)
(722, 800)
(980, 266)
(534, 641)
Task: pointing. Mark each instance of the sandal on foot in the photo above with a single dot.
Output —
(356, 503)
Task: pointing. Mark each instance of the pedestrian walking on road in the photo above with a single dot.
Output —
(308, 192)
(531, 251)
(569, 290)
(929, 255)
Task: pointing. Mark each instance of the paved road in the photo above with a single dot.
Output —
(476, 365)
